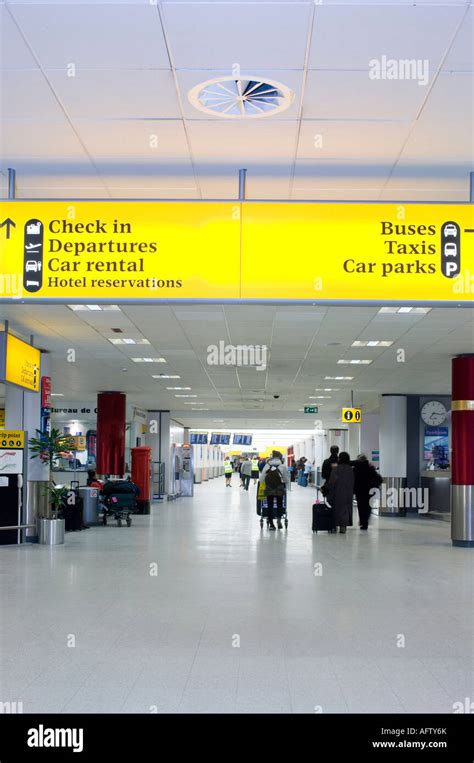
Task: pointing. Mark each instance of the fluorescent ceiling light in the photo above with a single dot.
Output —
(199, 409)
(178, 387)
(185, 395)
(372, 343)
(354, 362)
(417, 310)
(94, 308)
(148, 360)
(339, 378)
(166, 376)
(320, 397)
(127, 340)
(326, 389)
(57, 394)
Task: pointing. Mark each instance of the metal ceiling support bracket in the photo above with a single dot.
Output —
(471, 187)
(11, 183)
(242, 181)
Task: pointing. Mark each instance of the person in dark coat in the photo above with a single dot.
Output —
(326, 468)
(366, 477)
(341, 491)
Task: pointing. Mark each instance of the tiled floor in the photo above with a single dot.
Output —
(236, 620)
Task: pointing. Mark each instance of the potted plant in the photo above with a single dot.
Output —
(48, 447)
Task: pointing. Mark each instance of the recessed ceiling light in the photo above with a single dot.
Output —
(372, 343)
(199, 409)
(339, 378)
(166, 376)
(127, 340)
(178, 387)
(320, 397)
(185, 395)
(57, 394)
(148, 360)
(326, 389)
(417, 310)
(354, 361)
(94, 308)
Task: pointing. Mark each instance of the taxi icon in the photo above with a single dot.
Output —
(450, 230)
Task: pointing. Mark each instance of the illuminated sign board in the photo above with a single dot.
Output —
(83, 251)
(20, 363)
(352, 415)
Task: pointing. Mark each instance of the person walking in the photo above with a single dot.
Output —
(341, 491)
(276, 479)
(327, 466)
(255, 469)
(228, 469)
(246, 473)
(366, 477)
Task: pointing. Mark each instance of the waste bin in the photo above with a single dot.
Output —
(90, 509)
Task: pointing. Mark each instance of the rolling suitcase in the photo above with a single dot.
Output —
(323, 518)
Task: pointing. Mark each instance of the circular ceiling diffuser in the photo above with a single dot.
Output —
(240, 97)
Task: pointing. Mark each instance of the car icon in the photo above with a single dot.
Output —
(32, 266)
(450, 250)
(450, 230)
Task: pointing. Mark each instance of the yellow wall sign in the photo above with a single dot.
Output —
(12, 439)
(2, 418)
(351, 415)
(320, 252)
(22, 364)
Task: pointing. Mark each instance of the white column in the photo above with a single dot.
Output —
(393, 436)
(369, 434)
(353, 440)
(158, 438)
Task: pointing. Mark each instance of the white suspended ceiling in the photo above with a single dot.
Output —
(122, 126)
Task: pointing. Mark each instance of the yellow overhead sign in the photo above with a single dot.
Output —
(358, 252)
(22, 364)
(351, 415)
(2, 418)
(321, 252)
(14, 439)
(125, 250)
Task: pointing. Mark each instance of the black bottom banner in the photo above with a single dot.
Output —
(137, 737)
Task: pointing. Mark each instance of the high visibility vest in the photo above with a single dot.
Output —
(255, 464)
(228, 467)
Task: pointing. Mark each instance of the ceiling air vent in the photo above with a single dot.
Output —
(240, 98)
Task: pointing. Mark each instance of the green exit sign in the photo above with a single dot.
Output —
(311, 409)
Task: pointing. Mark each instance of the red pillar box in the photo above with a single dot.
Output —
(462, 445)
(110, 443)
(141, 476)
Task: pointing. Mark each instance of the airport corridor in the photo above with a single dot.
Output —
(196, 609)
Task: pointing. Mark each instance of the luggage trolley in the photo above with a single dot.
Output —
(262, 505)
(118, 500)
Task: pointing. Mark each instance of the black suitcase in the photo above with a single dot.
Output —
(71, 510)
(323, 518)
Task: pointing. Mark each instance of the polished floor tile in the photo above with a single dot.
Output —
(237, 619)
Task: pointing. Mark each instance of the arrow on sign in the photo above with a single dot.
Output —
(9, 223)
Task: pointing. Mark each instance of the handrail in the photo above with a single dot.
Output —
(16, 527)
